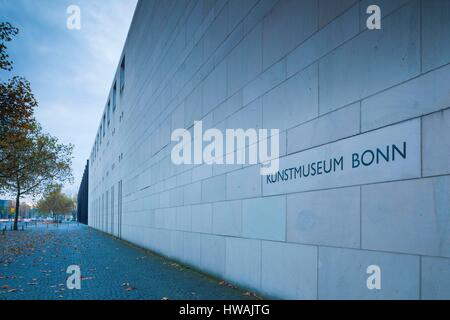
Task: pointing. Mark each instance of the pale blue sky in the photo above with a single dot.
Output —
(70, 71)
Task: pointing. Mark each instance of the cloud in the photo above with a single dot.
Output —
(70, 71)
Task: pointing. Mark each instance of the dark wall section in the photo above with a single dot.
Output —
(82, 207)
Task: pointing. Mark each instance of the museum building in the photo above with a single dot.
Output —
(366, 110)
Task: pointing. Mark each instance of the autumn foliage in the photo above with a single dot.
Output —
(30, 160)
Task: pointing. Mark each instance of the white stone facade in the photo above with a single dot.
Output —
(312, 69)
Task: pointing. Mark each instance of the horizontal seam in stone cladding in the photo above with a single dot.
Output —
(291, 193)
(414, 214)
(319, 118)
(439, 120)
(288, 193)
(144, 84)
(284, 56)
(292, 243)
(203, 64)
(161, 91)
(326, 55)
(333, 109)
(400, 84)
(366, 31)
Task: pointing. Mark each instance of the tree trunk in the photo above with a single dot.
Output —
(16, 214)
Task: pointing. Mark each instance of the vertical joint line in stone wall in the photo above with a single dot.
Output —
(420, 36)
(360, 216)
(201, 238)
(420, 277)
(286, 142)
(260, 264)
(225, 240)
(261, 178)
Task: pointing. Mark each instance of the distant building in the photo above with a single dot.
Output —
(82, 199)
(25, 211)
(7, 209)
(4, 209)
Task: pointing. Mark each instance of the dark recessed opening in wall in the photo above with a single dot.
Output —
(122, 75)
(114, 93)
(109, 112)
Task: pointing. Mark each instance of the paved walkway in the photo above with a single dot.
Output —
(33, 265)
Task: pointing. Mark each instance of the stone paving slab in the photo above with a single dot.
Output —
(33, 265)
